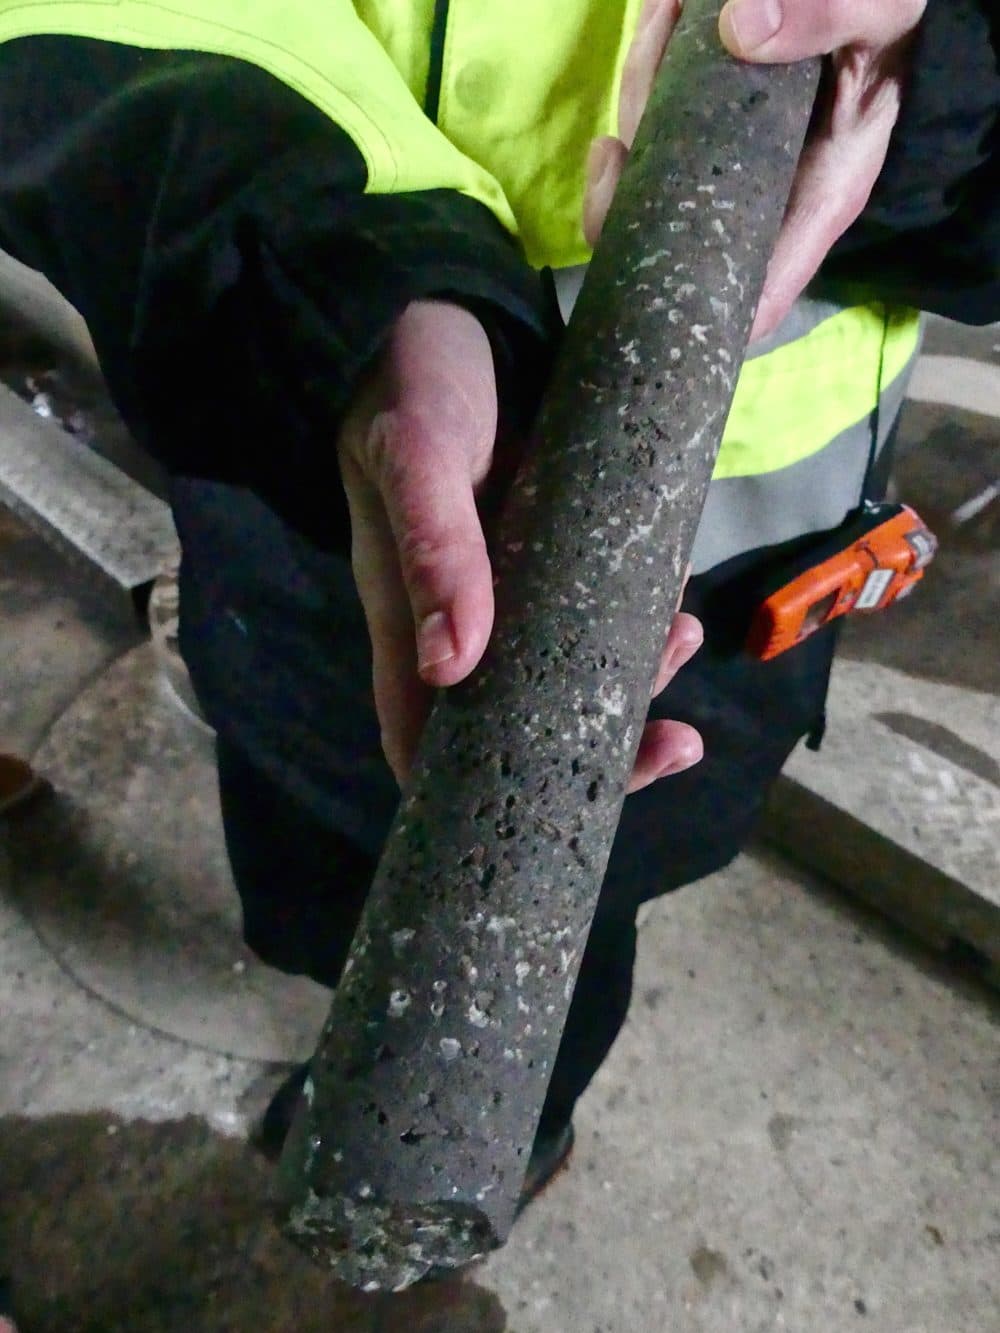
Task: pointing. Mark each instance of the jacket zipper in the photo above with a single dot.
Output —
(435, 71)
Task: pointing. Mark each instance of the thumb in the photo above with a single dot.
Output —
(429, 448)
(417, 443)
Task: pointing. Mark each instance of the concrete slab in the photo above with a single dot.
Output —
(980, 342)
(64, 1050)
(80, 501)
(902, 805)
(59, 627)
(797, 1129)
(124, 875)
(30, 300)
(47, 358)
(957, 381)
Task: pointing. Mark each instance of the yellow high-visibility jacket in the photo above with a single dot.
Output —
(500, 102)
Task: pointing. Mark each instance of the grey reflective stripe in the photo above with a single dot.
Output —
(749, 513)
(805, 315)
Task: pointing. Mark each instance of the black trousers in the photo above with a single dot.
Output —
(129, 188)
(275, 639)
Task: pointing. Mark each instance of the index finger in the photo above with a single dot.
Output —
(653, 31)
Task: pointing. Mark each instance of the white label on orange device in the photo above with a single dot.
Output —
(874, 590)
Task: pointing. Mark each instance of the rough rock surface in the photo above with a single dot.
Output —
(432, 1069)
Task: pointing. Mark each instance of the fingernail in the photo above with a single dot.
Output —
(435, 641)
(751, 23)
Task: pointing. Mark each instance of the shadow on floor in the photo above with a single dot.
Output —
(107, 1227)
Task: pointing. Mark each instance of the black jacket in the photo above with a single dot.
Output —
(930, 236)
(237, 279)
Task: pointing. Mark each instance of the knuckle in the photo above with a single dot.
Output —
(425, 551)
(419, 550)
(416, 444)
(394, 438)
(404, 463)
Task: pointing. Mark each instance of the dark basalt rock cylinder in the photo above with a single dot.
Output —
(432, 1070)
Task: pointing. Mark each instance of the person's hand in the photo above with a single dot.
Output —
(868, 44)
(414, 451)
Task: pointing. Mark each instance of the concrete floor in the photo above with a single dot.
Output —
(799, 1128)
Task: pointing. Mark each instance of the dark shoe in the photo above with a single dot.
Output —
(19, 784)
(269, 1134)
(548, 1156)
